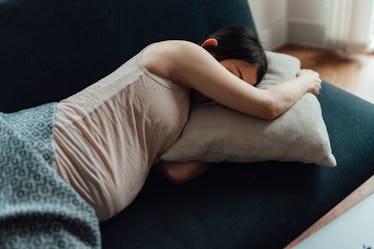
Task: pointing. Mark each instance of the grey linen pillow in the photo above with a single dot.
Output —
(215, 133)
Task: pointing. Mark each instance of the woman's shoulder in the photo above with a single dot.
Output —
(169, 50)
(163, 58)
(170, 45)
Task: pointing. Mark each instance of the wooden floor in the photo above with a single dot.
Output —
(352, 72)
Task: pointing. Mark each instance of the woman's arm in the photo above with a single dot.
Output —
(181, 172)
(191, 66)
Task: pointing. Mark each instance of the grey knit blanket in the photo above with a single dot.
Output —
(37, 208)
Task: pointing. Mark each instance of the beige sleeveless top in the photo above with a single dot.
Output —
(109, 135)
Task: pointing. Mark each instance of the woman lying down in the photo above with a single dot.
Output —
(101, 143)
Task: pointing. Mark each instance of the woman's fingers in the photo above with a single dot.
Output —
(312, 79)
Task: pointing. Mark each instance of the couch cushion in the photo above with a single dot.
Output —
(52, 49)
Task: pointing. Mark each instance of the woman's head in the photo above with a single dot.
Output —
(239, 43)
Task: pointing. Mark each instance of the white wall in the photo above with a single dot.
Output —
(307, 21)
(270, 17)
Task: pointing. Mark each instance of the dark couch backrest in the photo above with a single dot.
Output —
(52, 49)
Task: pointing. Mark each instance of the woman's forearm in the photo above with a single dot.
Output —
(192, 67)
(286, 94)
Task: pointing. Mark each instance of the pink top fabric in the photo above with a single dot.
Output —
(109, 135)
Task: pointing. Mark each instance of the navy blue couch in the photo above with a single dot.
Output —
(52, 49)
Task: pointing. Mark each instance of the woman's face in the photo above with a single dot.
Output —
(242, 69)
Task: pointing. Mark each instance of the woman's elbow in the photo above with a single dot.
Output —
(182, 172)
(175, 175)
(177, 178)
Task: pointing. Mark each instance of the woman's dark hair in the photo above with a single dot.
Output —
(237, 42)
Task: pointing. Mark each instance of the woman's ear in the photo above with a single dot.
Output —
(210, 42)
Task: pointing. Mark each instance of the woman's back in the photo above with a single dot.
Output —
(108, 135)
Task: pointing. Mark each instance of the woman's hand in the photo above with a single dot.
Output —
(312, 79)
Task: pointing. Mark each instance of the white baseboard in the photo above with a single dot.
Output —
(357, 47)
(306, 33)
(274, 36)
